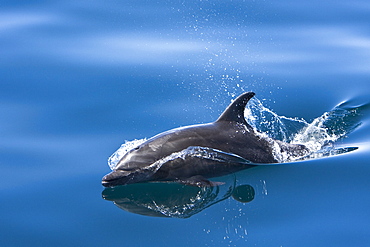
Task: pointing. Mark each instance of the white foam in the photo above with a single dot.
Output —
(125, 148)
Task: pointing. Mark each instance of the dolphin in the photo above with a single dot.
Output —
(192, 154)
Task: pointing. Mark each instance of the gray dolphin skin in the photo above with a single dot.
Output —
(235, 143)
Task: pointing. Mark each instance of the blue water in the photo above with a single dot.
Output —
(80, 78)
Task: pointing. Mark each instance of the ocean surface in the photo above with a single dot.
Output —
(80, 78)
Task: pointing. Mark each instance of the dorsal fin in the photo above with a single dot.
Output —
(235, 111)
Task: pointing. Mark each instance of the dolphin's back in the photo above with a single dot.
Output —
(229, 137)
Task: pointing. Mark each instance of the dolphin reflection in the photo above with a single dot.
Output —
(175, 200)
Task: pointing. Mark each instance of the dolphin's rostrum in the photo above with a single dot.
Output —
(194, 153)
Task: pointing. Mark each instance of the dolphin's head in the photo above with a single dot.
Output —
(134, 167)
(122, 177)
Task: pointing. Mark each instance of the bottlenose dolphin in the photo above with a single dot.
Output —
(194, 153)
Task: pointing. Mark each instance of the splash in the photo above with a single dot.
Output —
(319, 136)
(125, 147)
(268, 122)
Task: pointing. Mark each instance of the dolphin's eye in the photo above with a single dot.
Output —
(136, 148)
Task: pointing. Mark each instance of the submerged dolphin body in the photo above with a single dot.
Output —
(191, 154)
